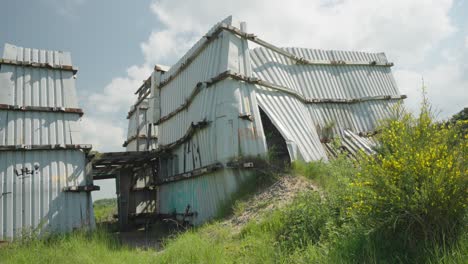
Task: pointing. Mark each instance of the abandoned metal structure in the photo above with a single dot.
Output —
(45, 182)
(199, 128)
(197, 131)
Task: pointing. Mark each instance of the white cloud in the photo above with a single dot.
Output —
(466, 42)
(446, 86)
(104, 134)
(118, 96)
(406, 30)
(164, 46)
(105, 125)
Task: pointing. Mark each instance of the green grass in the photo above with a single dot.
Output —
(78, 247)
(346, 221)
(105, 209)
(310, 230)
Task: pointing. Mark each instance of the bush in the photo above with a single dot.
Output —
(412, 193)
(407, 203)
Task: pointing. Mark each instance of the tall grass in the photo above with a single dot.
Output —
(77, 247)
(407, 204)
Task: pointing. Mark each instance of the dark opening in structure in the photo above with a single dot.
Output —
(277, 149)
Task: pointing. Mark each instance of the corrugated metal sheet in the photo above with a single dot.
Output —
(31, 199)
(226, 137)
(332, 82)
(220, 104)
(352, 144)
(303, 123)
(29, 86)
(355, 143)
(230, 107)
(141, 134)
(32, 181)
(206, 195)
(35, 128)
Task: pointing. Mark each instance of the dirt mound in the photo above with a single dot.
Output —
(275, 196)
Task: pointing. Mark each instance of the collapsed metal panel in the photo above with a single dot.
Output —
(43, 169)
(339, 82)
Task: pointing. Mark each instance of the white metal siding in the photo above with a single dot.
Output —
(27, 86)
(206, 195)
(31, 181)
(35, 200)
(38, 128)
(328, 81)
(226, 137)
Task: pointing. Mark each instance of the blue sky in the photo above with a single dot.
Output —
(116, 43)
(103, 36)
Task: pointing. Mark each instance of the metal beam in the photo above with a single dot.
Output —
(257, 40)
(84, 188)
(39, 65)
(132, 138)
(191, 174)
(298, 59)
(85, 147)
(194, 127)
(283, 89)
(7, 107)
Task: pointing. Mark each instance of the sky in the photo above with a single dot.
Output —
(115, 44)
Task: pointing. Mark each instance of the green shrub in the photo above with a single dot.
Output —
(413, 192)
(407, 203)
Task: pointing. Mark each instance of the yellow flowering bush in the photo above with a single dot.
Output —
(415, 188)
